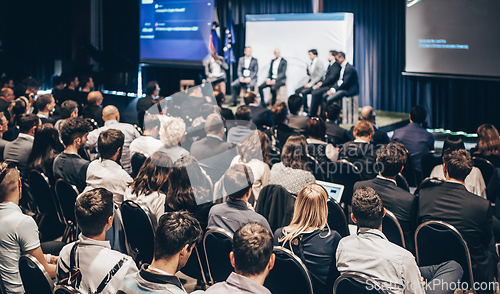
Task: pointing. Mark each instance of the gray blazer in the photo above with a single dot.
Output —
(254, 68)
(317, 72)
(18, 151)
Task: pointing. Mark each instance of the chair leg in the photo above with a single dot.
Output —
(201, 268)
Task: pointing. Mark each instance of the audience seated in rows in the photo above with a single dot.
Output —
(244, 121)
(370, 253)
(87, 263)
(280, 132)
(474, 181)
(336, 135)
(45, 105)
(309, 236)
(234, 213)
(254, 153)
(488, 144)
(414, 137)
(293, 171)
(361, 152)
(175, 239)
(93, 109)
(106, 171)
(68, 109)
(297, 122)
(252, 259)
(261, 116)
(18, 232)
(172, 135)
(316, 146)
(470, 215)
(391, 159)
(46, 147)
(226, 113)
(111, 118)
(213, 144)
(149, 189)
(4, 126)
(379, 137)
(68, 165)
(148, 143)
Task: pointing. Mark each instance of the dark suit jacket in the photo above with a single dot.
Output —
(281, 71)
(208, 147)
(298, 122)
(254, 68)
(378, 138)
(332, 75)
(362, 155)
(94, 112)
(469, 214)
(227, 113)
(396, 200)
(18, 151)
(416, 140)
(261, 116)
(4, 106)
(2, 147)
(336, 134)
(144, 103)
(350, 81)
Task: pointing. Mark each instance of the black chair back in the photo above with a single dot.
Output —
(289, 274)
(276, 204)
(137, 161)
(35, 278)
(336, 218)
(67, 194)
(344, 173)
(430, 160)
(196, 264)
(354, 282)
(45, 201)
(392, 229)
(139, 231)
(316, 169)
(217, 244)
(65, 289)
(437, 242)
(427, 183)
(486, 167)
(402, 183)
(410, 173)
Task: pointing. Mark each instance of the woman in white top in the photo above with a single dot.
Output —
(151, 185)
(254, 152)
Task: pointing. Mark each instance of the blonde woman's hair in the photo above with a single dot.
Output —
(310, 212)
(172, 132)
(488, 141)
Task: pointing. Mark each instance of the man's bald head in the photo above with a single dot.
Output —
(7, 94)
(110, 113)
(94, 98)
(368, 114)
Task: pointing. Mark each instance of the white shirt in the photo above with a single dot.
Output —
(342, 70)
(261, 173)
(109, 175)
(276, 64)
(95, 259)
(146, 145)
(154, 202)
(247, 61)
(215, 67)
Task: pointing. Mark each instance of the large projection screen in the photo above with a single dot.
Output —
(295, 35)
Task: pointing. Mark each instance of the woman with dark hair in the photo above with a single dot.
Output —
(474, 182)
(316, 146)
(293, 171)
(151, 185)
(254, 152)
(488, 144)
(18, 108)
(46, 147)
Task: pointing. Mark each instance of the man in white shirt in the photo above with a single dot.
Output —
(111, 117)
(148, 143)
(370, 253)
(106, 172)
(247, 74)
(276, 78)
(89, 264)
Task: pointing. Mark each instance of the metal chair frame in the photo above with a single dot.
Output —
(218, 231)
(35, 261)
(357, 277)
(395, 220)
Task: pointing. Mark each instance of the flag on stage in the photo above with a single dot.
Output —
(214, 41)
(229, 40)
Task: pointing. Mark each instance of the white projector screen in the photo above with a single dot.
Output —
(295, 35)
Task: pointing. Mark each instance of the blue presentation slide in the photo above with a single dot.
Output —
(175, 31)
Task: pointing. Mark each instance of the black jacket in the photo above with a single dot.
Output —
(362, 155)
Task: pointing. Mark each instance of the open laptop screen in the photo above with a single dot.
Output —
(334, 190)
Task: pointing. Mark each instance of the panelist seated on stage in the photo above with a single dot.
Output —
(215, 69)
(276, 78)
(347, 84)
(330, 77)
(315, 70)
(247, 73)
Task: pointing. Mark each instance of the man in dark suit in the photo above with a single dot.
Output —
(315, 70)
(6, 98)
(93, 109)
(335, 134)
(347, 84)
(145, 103)
(247, 74)
(45, 105)
(297, 122)
(329, 79)
(471, 215)
(391, 159)
(275, 78)
(379, 137)
(70, 92)
(226, 113)
(261, 116)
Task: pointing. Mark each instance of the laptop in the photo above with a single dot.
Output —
(334, 190)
